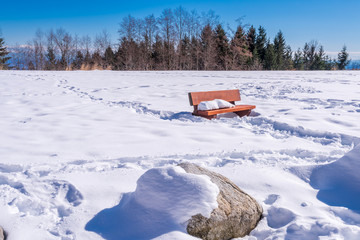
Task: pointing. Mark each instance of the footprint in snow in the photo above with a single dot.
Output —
(72, 195)
(271, 199)
(279, 217)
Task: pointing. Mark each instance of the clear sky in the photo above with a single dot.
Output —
(332, 23)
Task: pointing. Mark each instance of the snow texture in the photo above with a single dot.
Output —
(74, 144)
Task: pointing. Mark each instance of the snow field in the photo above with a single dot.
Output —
(74, 144)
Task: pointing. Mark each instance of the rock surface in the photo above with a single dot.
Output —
(237, 213)
(2, 234)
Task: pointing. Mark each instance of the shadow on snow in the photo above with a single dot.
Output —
(129, 220)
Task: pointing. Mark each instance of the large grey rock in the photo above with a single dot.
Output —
(237, 213)
(2, 234)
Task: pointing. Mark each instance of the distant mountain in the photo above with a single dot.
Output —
(354, 64)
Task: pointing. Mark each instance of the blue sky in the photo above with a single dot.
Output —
(332, 23)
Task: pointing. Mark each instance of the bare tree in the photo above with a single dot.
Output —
(207, 48)
(193, 24)
(150, 29)
(39, 50)
(210, 18)
(167, 30)
(102, 42)
(64, 43)
(128, 28)
(180, 18)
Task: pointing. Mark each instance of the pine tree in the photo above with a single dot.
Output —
(185, 53)
(96, 60)
(51, 58)
(109, 57)
(221, 48)
(260, 45)
(79, 59)
(343, 59)
(288, 62)
(298, 60)
(279, 48)
(207, 60)
(3, 55)
(195, 53)
(251, 39)
(270, 57)
(157, 55)
(240, 53)
(319, 59)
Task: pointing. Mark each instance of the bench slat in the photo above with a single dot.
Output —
(237, 108)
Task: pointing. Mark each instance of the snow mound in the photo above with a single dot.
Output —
(165, 198)
(339, 182)
(176, 192)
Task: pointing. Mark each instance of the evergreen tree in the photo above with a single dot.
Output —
(343, 59)
(260, 44)
(109, 57)
(309, 53)
(288, 62)
(3, 55)
(251, 39)
(51, 58)
(195, 53)
(240, 53)
(270, 57)
(221, 48)
(207, 59)
(298, 60)
(330, 64)
(185, 53)
(96, 60)
(319, 59)
(157, 55)
(279, 48)
(87, 59)
(79, 59)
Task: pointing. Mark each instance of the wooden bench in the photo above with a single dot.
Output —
(228, 95)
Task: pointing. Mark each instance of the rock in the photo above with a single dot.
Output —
(2, 234)
(237, 213)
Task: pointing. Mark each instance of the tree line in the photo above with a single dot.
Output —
(176, 40)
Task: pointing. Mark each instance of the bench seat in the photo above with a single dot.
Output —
(237, 108)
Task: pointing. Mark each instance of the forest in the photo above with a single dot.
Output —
(176, 40)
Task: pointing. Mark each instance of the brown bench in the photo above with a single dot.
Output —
(228, 95)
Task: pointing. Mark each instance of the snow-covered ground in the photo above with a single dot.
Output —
(74, 144)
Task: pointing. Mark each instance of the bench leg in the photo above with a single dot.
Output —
(243, 113)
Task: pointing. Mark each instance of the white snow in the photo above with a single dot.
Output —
(177, 193)
(73, 146)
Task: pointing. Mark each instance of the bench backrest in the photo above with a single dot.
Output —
(228, 95)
